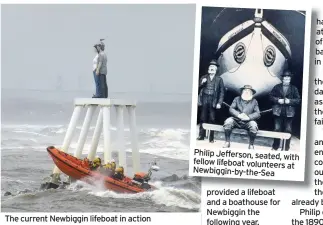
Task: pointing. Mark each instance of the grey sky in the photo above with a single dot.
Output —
(149, 47)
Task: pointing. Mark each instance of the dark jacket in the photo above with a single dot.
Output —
(218, 91)
(278, 93)
(250, 108)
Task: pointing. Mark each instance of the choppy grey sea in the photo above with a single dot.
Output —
(30, 124)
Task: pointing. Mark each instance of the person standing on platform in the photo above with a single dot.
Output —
(96, 78)
(101, 71)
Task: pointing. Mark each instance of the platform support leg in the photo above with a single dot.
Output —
(96, 136)
(134, 140)
(68, 136)
(106, 133)
(121, 145)
(84, 131)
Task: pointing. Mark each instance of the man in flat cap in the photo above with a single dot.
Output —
(285, 98)
(245, 111)
(210, 98)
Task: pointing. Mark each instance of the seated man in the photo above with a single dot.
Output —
(113, 165)
(96, 163)
(244, 110)
(110, 167)
(119, 173)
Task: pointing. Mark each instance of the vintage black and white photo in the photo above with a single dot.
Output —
(251, 85)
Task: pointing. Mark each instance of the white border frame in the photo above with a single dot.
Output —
(305, 87)
(157, 218)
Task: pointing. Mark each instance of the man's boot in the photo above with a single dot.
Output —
(211, 136)
(227, 134)
(252, 137)
(200, 138)
(276, 144)
(201, 133)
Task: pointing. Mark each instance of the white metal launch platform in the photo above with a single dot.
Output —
(103, 121)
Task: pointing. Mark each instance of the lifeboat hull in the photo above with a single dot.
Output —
(77, 169)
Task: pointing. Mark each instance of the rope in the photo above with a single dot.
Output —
(246, 52)
(214, 21)
(263, 52)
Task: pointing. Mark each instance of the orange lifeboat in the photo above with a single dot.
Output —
(80, 170)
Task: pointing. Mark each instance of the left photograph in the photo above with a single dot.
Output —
(96, 108)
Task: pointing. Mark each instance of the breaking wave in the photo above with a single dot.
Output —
(165, 142)
(168, 196)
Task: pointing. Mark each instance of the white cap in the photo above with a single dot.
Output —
(112, 160)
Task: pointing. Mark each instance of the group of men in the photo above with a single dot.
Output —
(109, 168)
(244, 109)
